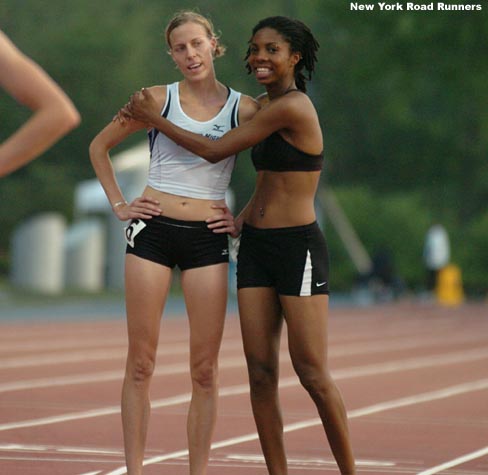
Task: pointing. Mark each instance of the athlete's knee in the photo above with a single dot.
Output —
(140, 366)
(315, 380)
(263, 377)
(204, 374)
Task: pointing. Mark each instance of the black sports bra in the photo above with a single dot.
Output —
(277, 155)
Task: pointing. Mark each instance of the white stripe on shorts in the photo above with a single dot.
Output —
(306, 288)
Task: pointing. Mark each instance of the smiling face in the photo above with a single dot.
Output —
(192, 50)
(271, 59)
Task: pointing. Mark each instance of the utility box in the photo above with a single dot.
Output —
(37, 251)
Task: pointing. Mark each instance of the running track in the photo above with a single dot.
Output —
(414, 378)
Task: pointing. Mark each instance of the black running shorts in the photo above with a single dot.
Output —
(293, 260)
(172, 242)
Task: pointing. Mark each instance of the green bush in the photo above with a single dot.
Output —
(472, 255)
(395, 222)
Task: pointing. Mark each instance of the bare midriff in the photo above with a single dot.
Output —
(283, 199)
(182, 207)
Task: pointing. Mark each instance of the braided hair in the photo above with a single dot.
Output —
(301, 40)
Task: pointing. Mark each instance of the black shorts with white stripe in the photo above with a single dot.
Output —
(292, 260)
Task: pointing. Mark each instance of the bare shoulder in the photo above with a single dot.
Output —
(297, 100)
(247, 108)
(297, 106)
(159, 93)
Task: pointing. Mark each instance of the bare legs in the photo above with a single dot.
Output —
(261, 324)
(147, 286)
(306, 318)
(205, 290)
(261, 316)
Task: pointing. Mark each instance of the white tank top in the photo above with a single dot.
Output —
(174, 169)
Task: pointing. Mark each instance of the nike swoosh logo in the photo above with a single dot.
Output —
(320, 284)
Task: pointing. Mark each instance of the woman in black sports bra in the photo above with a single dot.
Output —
(283, 262)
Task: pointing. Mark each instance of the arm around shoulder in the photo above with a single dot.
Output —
(247, 108)
(262, 124)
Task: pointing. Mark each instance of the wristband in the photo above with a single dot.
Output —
(119, 203)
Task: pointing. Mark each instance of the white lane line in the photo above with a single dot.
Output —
(54, 459)
(455, 462)
(374, 409)
(85, 353)
(174, 369)
(59, 358)
(413, 363)
(61, 344)
(110, 410)
(436, 395)
(242, 460)
(61, 381)
(305, 461)
(346, 373)
(399, 344)
(348, 349)
(102, 376)
(57, 449)
(62, 358)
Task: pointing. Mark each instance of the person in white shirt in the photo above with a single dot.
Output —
(180, 219)
(436, 254)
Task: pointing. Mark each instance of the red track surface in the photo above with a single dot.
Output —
(414, 378)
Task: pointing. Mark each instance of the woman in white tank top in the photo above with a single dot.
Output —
(181, 190)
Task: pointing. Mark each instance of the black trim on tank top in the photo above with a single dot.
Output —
(233, 117)
(168, 103)
(153, 133)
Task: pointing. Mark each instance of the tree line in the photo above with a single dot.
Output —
(402, 97)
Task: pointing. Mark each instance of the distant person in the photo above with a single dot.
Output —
(383, 279)
(54, 113)
(169, 226)
(436, 253)
(282, 268)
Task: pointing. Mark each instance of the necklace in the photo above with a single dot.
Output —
(290, 89)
